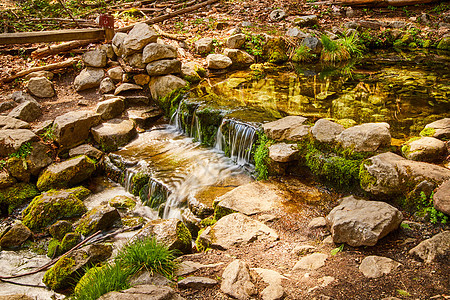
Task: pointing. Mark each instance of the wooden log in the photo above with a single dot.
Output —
(51, 36)
(379, 3)
(168, 35)
(64, 47)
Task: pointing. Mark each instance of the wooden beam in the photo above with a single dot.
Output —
(51, 36)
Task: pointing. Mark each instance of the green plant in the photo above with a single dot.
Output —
(23, 151)
(302, 54)
(403, 293)
(261, 156)
(332, 50)
(337, 250)
(254, 44)
(49, 134)
(393, 8)
(425, 206)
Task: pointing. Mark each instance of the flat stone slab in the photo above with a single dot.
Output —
(377, 266)
(283, 152)
(144, 292)
(311, 262)
(126, 87)
(114, 134)
(195, 282)
(286, 128)
(13, 123)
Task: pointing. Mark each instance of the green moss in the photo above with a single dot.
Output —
(18, 168)
(169, 103)
(198, 243)
(184, 235)
(80, 192)
(261, 156)
(138, 181)
(220, 212)
(366, 179)
(303, 54)
(209, 221)
(428, 131)
(444, 44)
(274, 50)
(14, 196)
(60, 229)
(69, 241)
(123, 202)
(60, 275)
(427, 44)
(86, 225)
(53, 248)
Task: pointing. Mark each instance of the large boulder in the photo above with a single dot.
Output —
(41, 87)
(391, 174)
(368, 137)
(7, 122)
(140, 36)
(237, 281)
(12, 139)
(114, 134)
(326, 131)
(66, 174)
(218, 61)
(160, 86)
(359, 222)
(94, 58)
(235, 230)
(163, 67)
(15, 237)
(117, 43)
(437, 247)
(441, 198)
(239, 58)
(156, 51)
(88, 78)
(99, 218)
(290, 128)
(424, 149)
(27, 111)
(71, 129)
(52, 206)
(439, 129)
(110, 108)
(16, 194)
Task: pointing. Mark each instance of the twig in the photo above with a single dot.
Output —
(55, 49)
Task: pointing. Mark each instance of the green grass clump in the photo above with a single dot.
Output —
(261, 156)
(303, 54)
(340, 50)
(425, 207)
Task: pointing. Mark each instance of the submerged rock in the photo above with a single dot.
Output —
(237, 281)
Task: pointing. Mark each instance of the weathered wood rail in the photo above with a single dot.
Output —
(51, 36)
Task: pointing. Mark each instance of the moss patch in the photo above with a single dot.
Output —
(14, 196)
(69, 241)
(53, 248)
(138, 181)
(365, 178)
(428, 131)
(184, 235)
(57, 277)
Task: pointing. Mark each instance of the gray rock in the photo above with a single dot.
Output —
(434, 248)
(12, 139)
(274, 290)
(7, 105)
(286, 128)
(144, 116)
(114, 134)
(186, 267)
(27, 111)
(143, 292)
(72, 128)
(156, 51)
(38, 158)
(349, 12)
(140, 36)
(160, 86)
(424, 149)
(237, 281)
(117, 43)
(313, 43)
(108, 49)
(326, 131)
(41, 87)
(111, 108)
(277, 15)
(282, 152)
(126, 87)
(317, 223)
(296, 33)
(6, 180)
(7, 122)
(146, 277)
(135, 60)
(164, 67)
(377, 266)
(204, 45)
(94, 58)
(441, 198)
(115, 73)
(20, 97)
(218, 61)
(106, 86)
(440, 129)
(236, 41)
(47, 74)
(359, 222)
(311, 262)
(99, 218)
(88, 78)
(300, 250)
(15, 237)
(239, 58)
(305, 21)
(194, 282)
(366, 137)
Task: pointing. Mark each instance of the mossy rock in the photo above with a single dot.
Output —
(59, 229)
(69, 241)
(428, 131)
(18, 168)
(138, 181)
(99, 218)
(14, 196)
(122, 202)
(274, 50)
(444, 44)
(52, 206)
(53, 248)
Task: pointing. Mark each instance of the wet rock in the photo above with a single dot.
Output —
(311, 262)
(12, 139)
(143, 292)
(439, 129)
(66, 174)
(189, 74)
(239, 58)
(144, 116)
(218, 61)
(59, 229)
(236, 41)
(6, 180)
(123, 202)
(141, 79)
(377, 266)
(434, 248)
(110, 108)
(235, 230)
(282, 152)
(126, 87)
(13, 123)
(274, 290)
(52, 206)
(135, 60)
(47, 74)
(359, 222)
(296, 33)
(317, 223)
(117, 43)
(15, 195)
(288, 128)
(106, 86)
(306, 21)
(140, 36)
(300, 250)
(99, 218)
(27, 111)
(424, 149)
(171, 232)
(95, 58)
(7, 105)
(156, 51)
(441, 198)
(88, 78)
(204, 45)
(114, 134)
(160, 86)
(163, 67)
(391, 174)
(274, 49)
(15, 237)
(237, 281)
(115, 73)
(194, 282)
(41, 87)
(326, 131)
(367, 137)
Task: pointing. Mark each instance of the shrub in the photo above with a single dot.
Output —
(303, 54)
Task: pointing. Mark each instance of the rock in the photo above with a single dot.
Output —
(87, 150)
(115, 73)
(27, 111)
(38, 158)
(110, 108)
(204, 45)
(16, 297)
(18, 169)
(72, 128)
(139, 37)
(303, 249)
(434, 248)
(235, 230)
(135, 60)
(108, 49)
(359, 222)
(239, 58)
(349, 12)
(439, 129)
(12, 123)
(163, 67)
(237, 281)
(441, 198)
(236, 41)
(391, 174)
(20, 97)
(122, 202)
(296, 33)
(234, 31)
(88, 78)
(95, 58)
(47, 74)
(326, 131)
(377, 266)
(71, 267)
(218, 61)
(424, 149)
(126, 87)
(274, 290)
(41, 87)
(311, 262)
(275, 49)
(282, 152)
(146, 277)
(194, 282)
(143, 292)
(141, 79)
(277, 15)
(16, 194)
(186, 267)
(312, 43)
(306, 21)
(189, 74)
(15, 237)
(99, 218)
(376, 25)
(66, 174)
(12, 139)
(156, 51)
(144, 116)
(6, 180)
(250, 199)
(171, 232)
(59, 229)
(114, 134)
(117, 43)
(52, 206)
(7, 105)
(287, 128)
(367, 137)
(106, 86)
(160, 86)
(317, 223)
(444, 43)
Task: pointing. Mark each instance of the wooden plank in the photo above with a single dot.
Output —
(51, 36)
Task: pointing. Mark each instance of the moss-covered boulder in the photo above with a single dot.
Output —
(56, 247)
(424, 149)
(66, 174)
(99, 218)
(122, 202)
(52, 206)
(15, 195)
(59, 229)
(17, 167)
(15, 237)
(444, 44)
(6, 180)
(274, 50)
